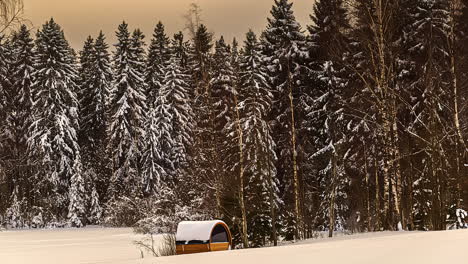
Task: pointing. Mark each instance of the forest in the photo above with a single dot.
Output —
(356, 122)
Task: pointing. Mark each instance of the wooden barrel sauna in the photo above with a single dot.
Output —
(202, 236)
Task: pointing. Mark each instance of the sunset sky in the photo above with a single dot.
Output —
(80, 18)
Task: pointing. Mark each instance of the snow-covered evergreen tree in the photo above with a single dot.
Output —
(326, 109)
(96, 80)
(53, 144)
(171, 135)
(260, 157)
(20, 110)
(223, 87)
(222, 114)
(204, 165)
(156, 163)
(77, 196)
(127, 110)
(158, 58)
(180, 49)
(14, 213)
(23, 68)
(183, 117)
(95, 210)
(164, 148)
(334, 183)
(430, 103)
(284, 46)
(5, 153)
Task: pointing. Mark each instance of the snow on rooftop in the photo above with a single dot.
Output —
(196, 230)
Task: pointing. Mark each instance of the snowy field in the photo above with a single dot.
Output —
(106, 246)
(69, 246)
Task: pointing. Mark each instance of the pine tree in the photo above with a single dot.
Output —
(53, 144)
(158, 58)
(284, 47)
(127, 110)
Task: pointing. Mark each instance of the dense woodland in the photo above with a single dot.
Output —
(356, 122)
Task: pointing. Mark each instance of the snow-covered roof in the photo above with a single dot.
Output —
(196, 230)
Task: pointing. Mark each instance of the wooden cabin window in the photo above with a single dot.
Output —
(219, 235)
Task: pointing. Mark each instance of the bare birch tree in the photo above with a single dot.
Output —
(10, 14)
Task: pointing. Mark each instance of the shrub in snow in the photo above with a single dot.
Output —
(461, 218)
(163, 248)
(124, 211)
(37, 219)
(163, 213)
(95, 209)
(160, 221)
(14, 214)
(457, 218)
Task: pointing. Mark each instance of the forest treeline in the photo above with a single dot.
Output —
(356, 122)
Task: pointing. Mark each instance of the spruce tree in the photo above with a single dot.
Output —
(284, 47)
(431, 98)
(204, 165)
(5, 153)
(200, 59)
(158, 58)
(53, 144)
(180, 48)
(183, 122)
(96, 78)
(20, 116)
(260, 157)
(127, 112)
(156, 164)
(221, 98)
(328, 51)
(174, 124)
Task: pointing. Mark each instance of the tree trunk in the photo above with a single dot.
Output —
(240, 132)
(368, 197)
(297, 197)
(332, 217)
(377, 197)
(397, 184)
(461, 144)
(272, 200)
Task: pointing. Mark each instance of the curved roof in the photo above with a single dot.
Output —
(196, 230)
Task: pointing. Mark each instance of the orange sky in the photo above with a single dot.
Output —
(80, 18)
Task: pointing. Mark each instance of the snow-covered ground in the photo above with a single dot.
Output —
(106, 246)
(69, 246)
